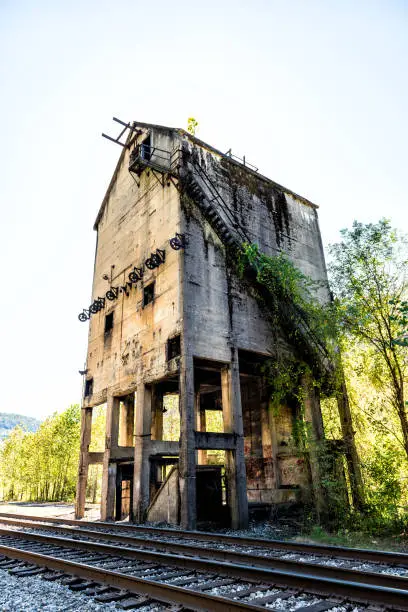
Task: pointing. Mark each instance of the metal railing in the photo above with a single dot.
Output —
(241, 160)
(162, 160)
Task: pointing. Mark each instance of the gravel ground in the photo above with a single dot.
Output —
(33, 594)
(58, 509)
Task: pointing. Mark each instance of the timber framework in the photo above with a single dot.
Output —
(178, 342)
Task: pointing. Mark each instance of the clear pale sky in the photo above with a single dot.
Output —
(313, 92)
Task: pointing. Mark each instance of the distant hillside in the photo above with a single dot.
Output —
(9, 421)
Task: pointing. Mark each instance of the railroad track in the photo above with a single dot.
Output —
(199, 571)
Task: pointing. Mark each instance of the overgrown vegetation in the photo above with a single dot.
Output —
(42, 465)
(368, 276)
(368, 320)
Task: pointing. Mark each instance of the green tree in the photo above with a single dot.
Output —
(367, 273)
(42, 465)
(192, 125)
(401, 319)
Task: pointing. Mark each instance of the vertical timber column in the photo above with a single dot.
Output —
(126, 420)
(109, 468)
(157, 414)
(314, 421)
(235, 460)
(187, 460)
(130, 418)
(201, 426)
(267, 446)
(86, 428)
(353, 461)
(274, 442)
(143, 424)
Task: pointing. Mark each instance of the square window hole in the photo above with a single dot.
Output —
(88, 387)
(173, 347)
(108, 323)
(148, 294)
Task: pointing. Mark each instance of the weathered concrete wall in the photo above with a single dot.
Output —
(197, 295)
(218, 303)
(136, 220)
(223, 314)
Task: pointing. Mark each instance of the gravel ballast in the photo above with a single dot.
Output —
(33, 594)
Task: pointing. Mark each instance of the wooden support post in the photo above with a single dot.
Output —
(157, 414)
(267, 447)
(315, 432)
(274, 442)
(201, 426)
(235, 460)
(111, 441)
(118, 501)
(187, 461)
(126, 420)
(353, 461)
(110, 501)
(143, 424)
(130, 419)
(86, 428)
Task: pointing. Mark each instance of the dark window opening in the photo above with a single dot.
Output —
(148, 294)
(108, 323)
(145, 149)
(173, 347)
(88, 387)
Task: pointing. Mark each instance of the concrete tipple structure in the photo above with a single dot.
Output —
(177, 340)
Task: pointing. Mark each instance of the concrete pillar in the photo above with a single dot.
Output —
(126, 420)
(157, 414)
(111, 441)
(187, 460)
(235, 460)
(315, 433)
(143, 424)
(86, 428)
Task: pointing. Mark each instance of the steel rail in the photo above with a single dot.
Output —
(165, 593)
(359, 554)
(227, 556)
(325, 586)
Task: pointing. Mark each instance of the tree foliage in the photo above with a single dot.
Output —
(401, 320)
(42, 465)
(368, 278)
(192, 125)
(297, 304)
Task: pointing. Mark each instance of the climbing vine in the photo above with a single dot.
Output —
(291, 299)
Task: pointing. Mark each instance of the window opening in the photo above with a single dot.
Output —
(94, 487)
(126, 420)
(214, 421)
(108, 323)
(171, 417)
(148, 294)
(173, 347)
(146, 149)
(88, 387)
(98, 429)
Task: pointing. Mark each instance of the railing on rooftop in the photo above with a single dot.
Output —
(241, 160)
(145, 155)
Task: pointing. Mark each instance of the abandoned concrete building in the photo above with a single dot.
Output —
(177, 339)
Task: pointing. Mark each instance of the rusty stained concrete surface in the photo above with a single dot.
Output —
(197, 290)
(135, 222)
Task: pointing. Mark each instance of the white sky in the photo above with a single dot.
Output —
(313, 92)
